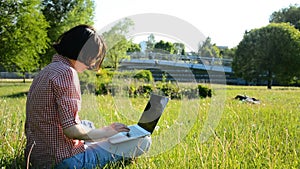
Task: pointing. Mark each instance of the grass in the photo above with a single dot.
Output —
(266, 135)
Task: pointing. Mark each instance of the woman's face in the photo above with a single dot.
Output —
(78, 66)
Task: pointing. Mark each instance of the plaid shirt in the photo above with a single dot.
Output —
(52, 105)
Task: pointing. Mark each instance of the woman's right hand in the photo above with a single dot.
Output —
(119, 127)
(83, 133)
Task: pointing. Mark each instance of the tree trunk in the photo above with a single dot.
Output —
(269, 84)
(24, 77)
(270, 79)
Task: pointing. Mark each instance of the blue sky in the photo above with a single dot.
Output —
(223, 21)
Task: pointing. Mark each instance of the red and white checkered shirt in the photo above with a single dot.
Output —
(52, 105)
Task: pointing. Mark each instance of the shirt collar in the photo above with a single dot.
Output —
(60, 58)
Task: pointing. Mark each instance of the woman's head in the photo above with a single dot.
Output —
(82, 43)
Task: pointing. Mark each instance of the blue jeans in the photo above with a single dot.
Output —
(101, 153)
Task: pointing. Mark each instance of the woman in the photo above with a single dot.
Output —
(55, 135)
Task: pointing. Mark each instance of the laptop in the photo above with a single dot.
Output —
(146, 123)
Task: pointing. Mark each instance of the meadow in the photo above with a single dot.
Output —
(265, 135)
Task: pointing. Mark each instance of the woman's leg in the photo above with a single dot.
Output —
(102, 153)
(93, 156)
(128, 149)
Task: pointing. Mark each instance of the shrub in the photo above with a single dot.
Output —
(131, 91)
(142, 90)
(144, 75)
(204, 91)
(169, 89)
(104, 78)
(142, 87)
(190, 93)
(101, 89)
(87, 81)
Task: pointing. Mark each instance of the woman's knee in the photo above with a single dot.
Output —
(132, 148)
(146, 142)
(143, 145)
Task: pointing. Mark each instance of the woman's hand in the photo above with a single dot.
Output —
(119, 127)
(81, 132)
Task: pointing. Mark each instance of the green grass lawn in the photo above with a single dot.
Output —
(265, 135)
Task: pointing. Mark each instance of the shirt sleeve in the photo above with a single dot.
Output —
(67, 92)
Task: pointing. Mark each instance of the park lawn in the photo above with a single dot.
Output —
(265, 135)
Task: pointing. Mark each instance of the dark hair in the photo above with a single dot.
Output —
(81, 43)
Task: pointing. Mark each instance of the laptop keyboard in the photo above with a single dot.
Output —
(134, 132)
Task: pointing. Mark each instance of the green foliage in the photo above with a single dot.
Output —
(164, 47)
(133, 47)
(150, 42)
(88, 81)
(63, 15)
(23, 35)
(138, 83)
(204, 91)
(117, 43)
(144, 75)
(228, 53)
(207, 49)
(140, 90)
(105, 75)
(269, 53)
(179, 48)
(116, 53)
(169, 89)
(288, 15)
(29, 27)
(82, 12)
(104, 78)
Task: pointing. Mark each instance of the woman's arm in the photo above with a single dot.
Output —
(82, 132)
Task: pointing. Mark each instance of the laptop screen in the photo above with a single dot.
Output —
(153, 112)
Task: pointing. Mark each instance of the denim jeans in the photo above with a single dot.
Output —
(99, 154)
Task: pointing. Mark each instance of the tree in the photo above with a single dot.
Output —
(133, 47)
(23, 35)
(63, 15)
(164, 47)
(288, 15)
(228, 53)
(207, 49)
(269, 53)
(150, 42)
(117, 42)
(179, 48)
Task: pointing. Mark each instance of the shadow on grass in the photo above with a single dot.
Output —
(16, 95)
(20, 163)
(16, 163)
(120, 164)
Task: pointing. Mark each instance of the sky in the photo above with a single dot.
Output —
(224, 21)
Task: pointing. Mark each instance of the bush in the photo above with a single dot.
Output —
(190, 93)
(142, 87)
(142, 90)
(101, 89)
(169, 89)
(144, 75)
(204, 91)
(104, 78)
(88, 81)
